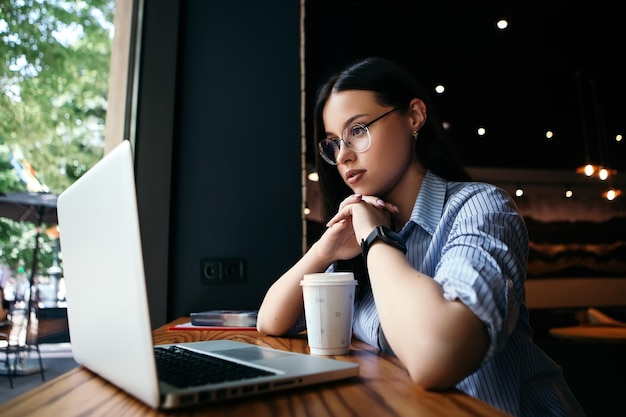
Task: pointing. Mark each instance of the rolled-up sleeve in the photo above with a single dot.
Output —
(483, 258)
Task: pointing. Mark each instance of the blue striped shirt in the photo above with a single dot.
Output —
(472, 240)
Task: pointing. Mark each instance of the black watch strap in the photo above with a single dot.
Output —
(385, 235)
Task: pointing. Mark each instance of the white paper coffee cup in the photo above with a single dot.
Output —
(328, 308)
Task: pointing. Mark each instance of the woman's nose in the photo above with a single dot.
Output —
(344, 153)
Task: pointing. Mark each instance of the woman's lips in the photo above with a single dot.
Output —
(353, 176)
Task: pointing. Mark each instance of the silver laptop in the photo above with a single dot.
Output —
(109, 322)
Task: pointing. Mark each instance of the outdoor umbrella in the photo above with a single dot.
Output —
(33, 207)
(30, 207)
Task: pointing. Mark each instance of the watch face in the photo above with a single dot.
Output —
(391, 234)
(387, 236)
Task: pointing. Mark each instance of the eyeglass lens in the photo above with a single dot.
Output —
(356, 137)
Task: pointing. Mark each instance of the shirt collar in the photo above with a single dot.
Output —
(428, 207)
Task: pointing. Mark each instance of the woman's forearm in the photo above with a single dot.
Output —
(439, 342)
(283, 303)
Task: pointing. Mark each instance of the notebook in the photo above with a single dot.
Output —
(107, 303)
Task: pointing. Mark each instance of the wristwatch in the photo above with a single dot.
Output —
(387, 236)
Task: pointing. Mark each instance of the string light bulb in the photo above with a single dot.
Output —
(588, 169)
(592, 170)
(611, 194)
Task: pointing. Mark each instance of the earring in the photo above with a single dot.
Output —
(415, 134)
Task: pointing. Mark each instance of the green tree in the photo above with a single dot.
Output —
(53, 97)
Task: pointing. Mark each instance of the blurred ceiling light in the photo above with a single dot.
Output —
(588, 169)
(591, 170)
(611, 194)
(502, 24)
(603, 174)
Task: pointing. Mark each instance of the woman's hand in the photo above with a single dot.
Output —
(356, 218)
(282, 305)
(337, 242)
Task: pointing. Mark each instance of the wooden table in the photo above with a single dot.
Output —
(591, 333)
(382, 388)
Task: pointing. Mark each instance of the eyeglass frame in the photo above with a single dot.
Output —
(336, 141)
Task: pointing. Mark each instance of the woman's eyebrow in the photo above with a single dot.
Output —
(346, 123)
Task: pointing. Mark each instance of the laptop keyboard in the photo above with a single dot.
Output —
(183, 368)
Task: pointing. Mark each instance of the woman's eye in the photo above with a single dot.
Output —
(357, 131)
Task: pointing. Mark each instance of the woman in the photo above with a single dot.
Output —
(441, 260)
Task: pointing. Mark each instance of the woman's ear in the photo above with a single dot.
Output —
(418, 114)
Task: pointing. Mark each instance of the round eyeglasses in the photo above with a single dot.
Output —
(356, 137)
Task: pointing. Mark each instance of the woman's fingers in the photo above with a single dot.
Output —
(373, 200)
(378, 202)
(346, 211)
(354, 198)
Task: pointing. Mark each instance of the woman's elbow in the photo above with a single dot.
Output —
(436, 370)
(269, 327)
(430, 377)
(266, 330)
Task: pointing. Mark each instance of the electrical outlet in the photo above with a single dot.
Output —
(223, 270)
(212, 270)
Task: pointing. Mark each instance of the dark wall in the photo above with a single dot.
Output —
(236, 172)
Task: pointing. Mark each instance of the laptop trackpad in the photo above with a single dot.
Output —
(252, 353)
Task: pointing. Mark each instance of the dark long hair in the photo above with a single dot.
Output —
(392, 86)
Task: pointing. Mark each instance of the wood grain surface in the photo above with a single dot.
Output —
(382, 388)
